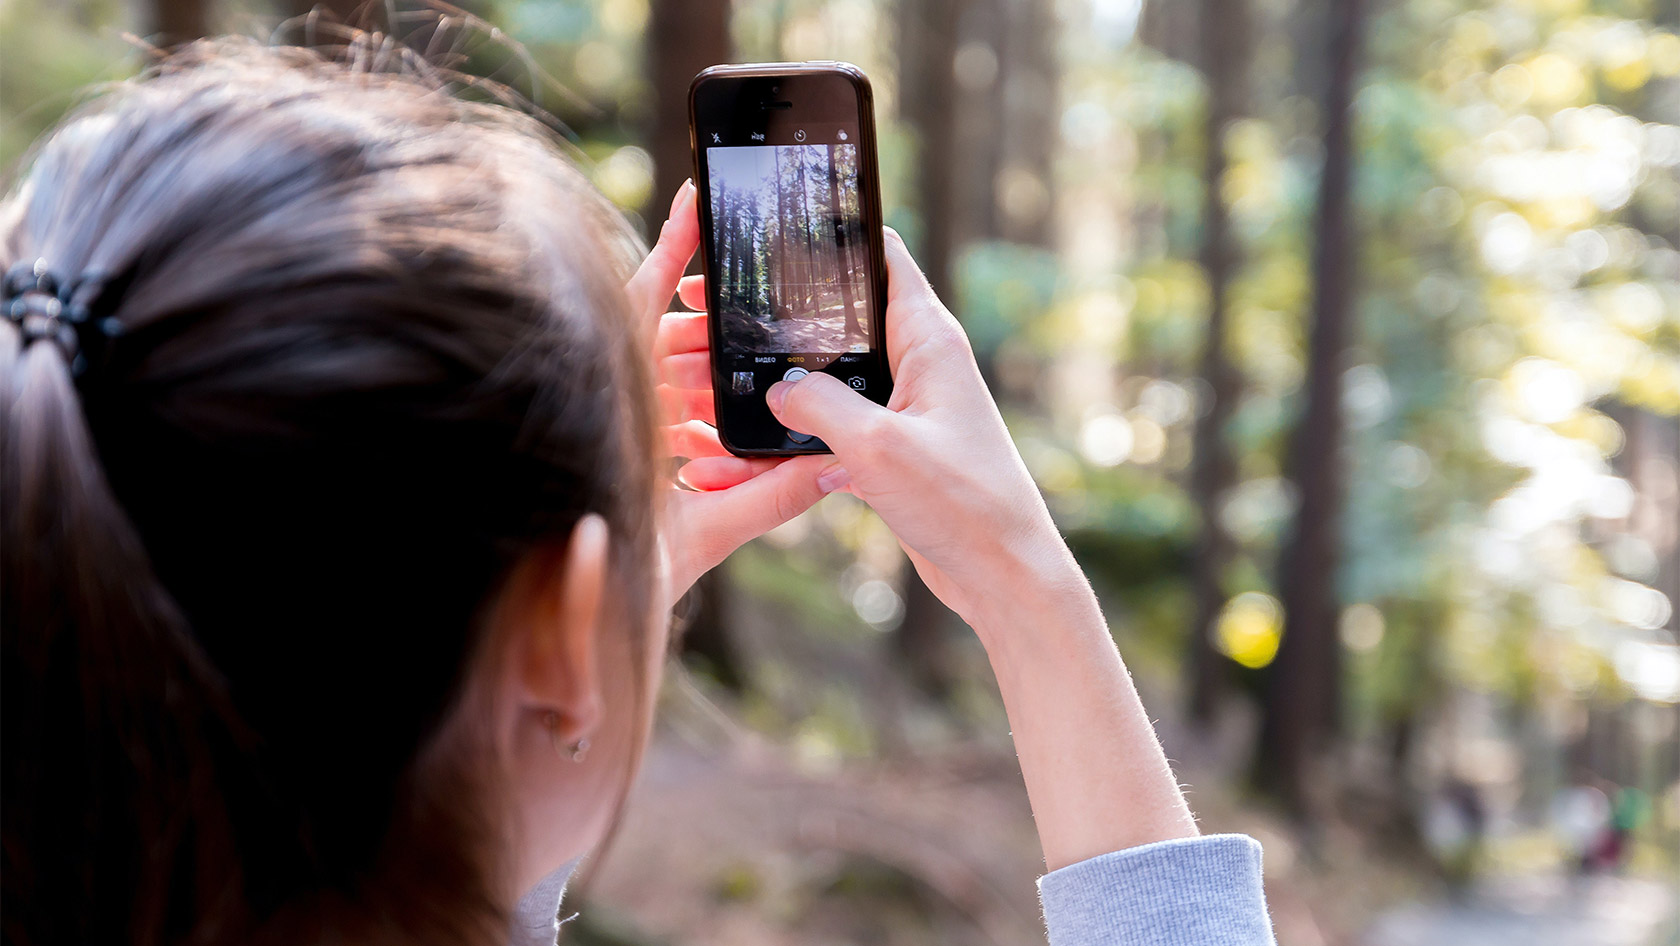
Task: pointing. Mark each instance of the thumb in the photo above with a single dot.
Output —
(824, 406)
(651, 288)
(915, 315)
(906, 282)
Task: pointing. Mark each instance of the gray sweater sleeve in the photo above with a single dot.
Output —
(1190, 892)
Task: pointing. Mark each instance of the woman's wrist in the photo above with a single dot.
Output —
(1094, 771)
(1032, 592)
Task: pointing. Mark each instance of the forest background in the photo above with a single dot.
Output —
(1343, 338)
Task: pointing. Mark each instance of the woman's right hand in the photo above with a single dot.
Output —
(936, 463)
(939, 467)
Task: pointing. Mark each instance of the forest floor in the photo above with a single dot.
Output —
(747, 847)
(823, 332)
(733, 841)
(1539, 910)
(741, 832)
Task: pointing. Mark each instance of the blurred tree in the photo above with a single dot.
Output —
(172, 22)
(1170, 28)
(1226, 35)
(927, 102)
(1303, 695)
(982, 126)
(1006, 123)
(1022, 190)
(684, 37)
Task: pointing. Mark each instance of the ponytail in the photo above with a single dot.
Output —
(105, 704)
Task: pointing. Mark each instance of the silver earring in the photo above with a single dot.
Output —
(575, 751)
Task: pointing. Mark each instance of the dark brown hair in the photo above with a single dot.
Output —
(373, 351)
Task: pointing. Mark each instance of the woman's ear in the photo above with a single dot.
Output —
(556, 630)
(552, 686)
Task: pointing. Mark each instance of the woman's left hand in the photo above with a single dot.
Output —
(721, 501)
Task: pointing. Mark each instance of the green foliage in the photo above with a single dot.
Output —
(44, 77)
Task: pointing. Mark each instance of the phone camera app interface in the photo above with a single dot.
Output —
(790, 252)
(790, 264)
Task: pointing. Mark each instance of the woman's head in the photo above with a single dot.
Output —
(308, 571)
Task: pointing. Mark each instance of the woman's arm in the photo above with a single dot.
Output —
(1095, 773)
(939, 467)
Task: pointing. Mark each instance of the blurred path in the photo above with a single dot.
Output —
(824, 331)
(1539, 911)
(732, 841)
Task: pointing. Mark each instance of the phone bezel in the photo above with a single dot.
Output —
(869, 190)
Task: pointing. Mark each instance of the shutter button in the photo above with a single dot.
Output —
(794, 374)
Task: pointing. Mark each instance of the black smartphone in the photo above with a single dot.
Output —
(790, 224)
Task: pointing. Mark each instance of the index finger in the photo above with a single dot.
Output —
(914, 312)
(656, 280)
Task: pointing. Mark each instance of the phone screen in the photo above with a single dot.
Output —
(789, 200)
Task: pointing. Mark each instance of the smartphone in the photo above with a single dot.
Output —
(790, 223)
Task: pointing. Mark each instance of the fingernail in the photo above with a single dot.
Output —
(776, 395)
(684, 194)
(833, 478)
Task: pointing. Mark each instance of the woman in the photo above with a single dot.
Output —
(337, 564)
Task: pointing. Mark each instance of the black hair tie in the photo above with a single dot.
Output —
(66, 313)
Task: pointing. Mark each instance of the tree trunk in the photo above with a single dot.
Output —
(984, 132)
(928, 101)
(1029, 77)
(760, 291)
(1169, 28)
(807, 223)
(683, 37)
(927, 96)
(1650, 446)
(828, 245)
(1303, 696)
(173, 22)
(782, 307)
(729, 250)
(744, 274)
(1225, 51)
(842, 245)
(747, 290)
